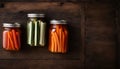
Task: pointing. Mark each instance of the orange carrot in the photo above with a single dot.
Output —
(11, 40)
(5, 39)
(55, 42)
(15, 39)
(9, 44)
(60, 40)
(63, 40)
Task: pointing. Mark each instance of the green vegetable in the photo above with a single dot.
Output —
(42, 33)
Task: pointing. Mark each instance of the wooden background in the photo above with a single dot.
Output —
(93, 41)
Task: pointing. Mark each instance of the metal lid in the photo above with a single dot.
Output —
(11, 25)
(58, 22)
(63, 21)
(35, 15)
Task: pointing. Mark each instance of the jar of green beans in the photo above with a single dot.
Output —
(36, 27)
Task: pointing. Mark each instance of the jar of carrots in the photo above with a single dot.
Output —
(58, 36)
(11, 36)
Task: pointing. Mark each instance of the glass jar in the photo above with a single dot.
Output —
(11, 36)
(36, 30)
(58, 36)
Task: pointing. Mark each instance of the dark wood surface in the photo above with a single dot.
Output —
(37, 64)
(92, 39)
(100, 36)
(58, 0)
(118, 32)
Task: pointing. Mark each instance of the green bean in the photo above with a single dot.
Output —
(42, 33)
(36, 39)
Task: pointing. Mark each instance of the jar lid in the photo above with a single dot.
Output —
(35, 15)
(58, 22)
(63, 21)
(11, 25)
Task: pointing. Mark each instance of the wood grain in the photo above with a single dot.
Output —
(57, 0)
(37, 64)
(100, 36)
(118, 33)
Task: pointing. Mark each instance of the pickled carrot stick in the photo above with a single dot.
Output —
(5, 37)
(11, 46)
(15, 39)
(60, 40)
(55, 42)
(8, 46)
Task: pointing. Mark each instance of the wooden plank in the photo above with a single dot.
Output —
(57, 0)
(39, 0)
(100, 36)
(40, 64)
(17, 12)
(118, 33)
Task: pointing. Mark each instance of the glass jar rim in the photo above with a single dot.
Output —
(58, 22)
(11, 25)
(35, 15)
